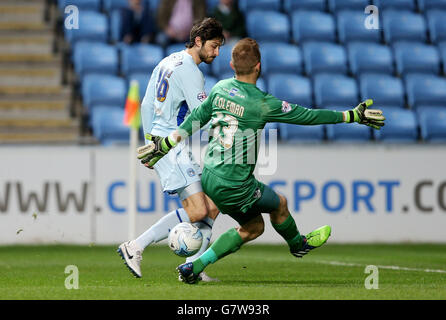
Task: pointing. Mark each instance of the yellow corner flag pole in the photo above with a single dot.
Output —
(132, 118)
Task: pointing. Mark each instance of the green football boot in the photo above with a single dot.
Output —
(313, 240)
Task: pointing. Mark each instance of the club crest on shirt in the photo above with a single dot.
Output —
(191, 172)
(202, 96)
(286, 107)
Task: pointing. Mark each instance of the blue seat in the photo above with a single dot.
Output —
(385, 90)
(110, 5)
(324, 58)
(268, 26)
(312, 26)
(209, 83)
(281, 57)
(436, 25)
(425, 89)
(93, 26)
(143, 81)
(404, 26)
(247, 5)
(401, 126)
(261, 84)
(115, 26)
(335, 90)
(108, 126)
(317, 5)
(271, 128)
(424, 5)
(395, 4)
(220, 65)
(370, 57)
(93, 5)
(98, 89)
(350, 27)
(442, 48)
(291, 88)
(140, 58)
(432, 123)
(300, 133)
(416, 58)
(336, 5)
(95, 58)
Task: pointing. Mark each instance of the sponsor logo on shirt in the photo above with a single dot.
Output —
(202, 96)
(257, 194)
(233, 91)
(286, 107)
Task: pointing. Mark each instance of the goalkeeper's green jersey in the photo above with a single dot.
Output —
(238, 112)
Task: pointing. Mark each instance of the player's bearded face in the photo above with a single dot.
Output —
(209, 51)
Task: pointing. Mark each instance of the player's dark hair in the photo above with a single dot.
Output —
(245, 56)
(206, 29)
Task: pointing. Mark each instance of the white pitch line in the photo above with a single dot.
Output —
(348, 264)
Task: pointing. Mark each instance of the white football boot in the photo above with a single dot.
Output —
(132, 256)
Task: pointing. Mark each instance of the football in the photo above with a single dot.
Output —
(185, 239)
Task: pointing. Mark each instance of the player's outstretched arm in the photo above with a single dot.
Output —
(361, 114)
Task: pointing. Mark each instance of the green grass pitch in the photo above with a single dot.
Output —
(255, 272)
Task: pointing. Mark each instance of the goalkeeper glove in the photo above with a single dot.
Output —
(152, 152)
(370, 117)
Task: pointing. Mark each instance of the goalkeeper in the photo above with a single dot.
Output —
(238, 111)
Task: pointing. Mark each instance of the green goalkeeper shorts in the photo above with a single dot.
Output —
(244, 200)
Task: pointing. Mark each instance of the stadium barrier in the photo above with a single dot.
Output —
(371, 193)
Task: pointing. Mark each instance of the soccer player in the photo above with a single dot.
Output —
(239, 111)
(175, 88)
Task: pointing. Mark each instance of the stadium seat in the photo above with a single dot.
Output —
(268, 130)
(324, 57)
(209, 83)
(442, 48)
(369, 57)
(401, 126)
(312, 26)
(336, 5)
(268, 26)
(403, 26)
(247, 5)
(281, 57)
(261, 84)
(143, 81)
(350, 27)
(95, 58)
(108, 126)
(115, 26)
(395, 4)
(436, 25)
(425, 5)
(335, 90)
(385, 90)
(300, 133)
(416, 58)
(292, 88)
(432, 123)
(317, 5)
(140, 58)
(220, 65)
(93, 5)
(425, 89)
(103, 90)
(93, 26)
(110, 5)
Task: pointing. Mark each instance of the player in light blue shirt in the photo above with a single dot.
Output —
(175, 88)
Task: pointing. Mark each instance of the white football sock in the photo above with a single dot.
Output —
(160, 230)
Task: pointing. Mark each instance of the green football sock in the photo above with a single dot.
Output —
(227, 243)
(288, 231)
